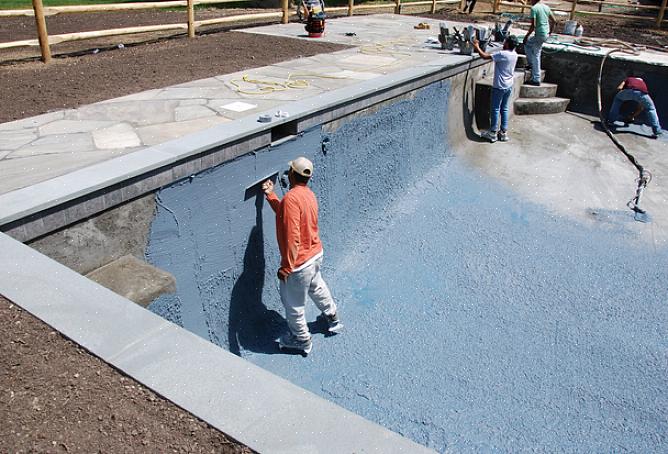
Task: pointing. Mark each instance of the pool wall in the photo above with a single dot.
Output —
(222, 249)
(246, 402)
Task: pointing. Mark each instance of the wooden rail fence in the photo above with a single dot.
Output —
(45, 41)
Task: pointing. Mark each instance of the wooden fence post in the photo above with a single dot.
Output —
(462, 5)
(351, 7)
(573, 6)
(397, 8)
(433, 6)
(191, 19)
(42, 34)
(286, 15)
(662, 12)
(495, 6)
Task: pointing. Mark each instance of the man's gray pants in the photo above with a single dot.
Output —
(300, 284)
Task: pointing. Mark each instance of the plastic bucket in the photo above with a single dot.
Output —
(569, 27)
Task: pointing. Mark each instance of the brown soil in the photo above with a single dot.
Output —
(31, 88)
(56, 397)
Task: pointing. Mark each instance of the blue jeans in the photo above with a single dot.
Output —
(533, 49)
(638, 96)
(500, 103)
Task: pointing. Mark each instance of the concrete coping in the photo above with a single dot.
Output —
(253, 406)
(22, 203)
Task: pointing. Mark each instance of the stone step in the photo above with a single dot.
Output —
(546, 90)
(134, 279)
(527, 74)
(531, 106)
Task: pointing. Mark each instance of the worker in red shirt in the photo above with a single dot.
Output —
(301, 256)
(635, 89)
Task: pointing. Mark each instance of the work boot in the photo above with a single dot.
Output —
(289, 341)
(489, 135)
(334, 325)
(535, 83)
(656, 133)
(503, 136)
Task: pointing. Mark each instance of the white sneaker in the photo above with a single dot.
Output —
(489, 135)
(503, 136)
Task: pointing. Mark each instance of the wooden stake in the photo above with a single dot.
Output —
(191, 19)
(397, 8)
(351, 7)
(433, 7)
(286, 14)
(573, 6)
(662, 11)
(42, 34)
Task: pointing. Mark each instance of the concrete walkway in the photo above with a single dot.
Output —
(47, 146)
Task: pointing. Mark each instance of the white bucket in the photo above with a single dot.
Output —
(569, 27)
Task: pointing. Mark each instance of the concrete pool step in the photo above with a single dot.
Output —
(533, 106)
(546, 90)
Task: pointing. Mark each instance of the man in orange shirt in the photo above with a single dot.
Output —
(301, 256)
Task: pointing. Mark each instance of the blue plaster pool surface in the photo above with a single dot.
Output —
(476, 320)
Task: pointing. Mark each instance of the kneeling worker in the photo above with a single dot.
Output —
(635, 89)
(301, 256)
(502, 87)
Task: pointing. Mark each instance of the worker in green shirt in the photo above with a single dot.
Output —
(542, 24)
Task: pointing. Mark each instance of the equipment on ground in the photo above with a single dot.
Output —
(313, 13)
(465, 39)
(500, 34)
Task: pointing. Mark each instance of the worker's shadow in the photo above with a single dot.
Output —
(468, 108)
(252, 326)
(635, 129)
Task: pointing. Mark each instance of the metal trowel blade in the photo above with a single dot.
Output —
(256, 188)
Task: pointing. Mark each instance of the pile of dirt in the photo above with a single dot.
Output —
(56, 397)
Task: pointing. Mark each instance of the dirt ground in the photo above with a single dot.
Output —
(31, 88)
(55, 396)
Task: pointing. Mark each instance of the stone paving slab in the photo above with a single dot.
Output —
(385, 44)
(109, 129)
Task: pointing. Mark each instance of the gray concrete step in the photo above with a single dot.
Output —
(134, 279)
(527, 75)
(531, 106)
(546, 90)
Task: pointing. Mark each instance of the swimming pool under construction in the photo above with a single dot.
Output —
(496, 297)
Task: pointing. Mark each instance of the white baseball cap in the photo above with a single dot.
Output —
(302, 166)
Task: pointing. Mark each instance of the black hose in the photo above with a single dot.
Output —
(644, 176)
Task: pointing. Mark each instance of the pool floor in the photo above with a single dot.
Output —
(478, 321)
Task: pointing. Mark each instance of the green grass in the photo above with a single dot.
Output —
(27, 4)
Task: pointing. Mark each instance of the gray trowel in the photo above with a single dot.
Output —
(255, 188)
